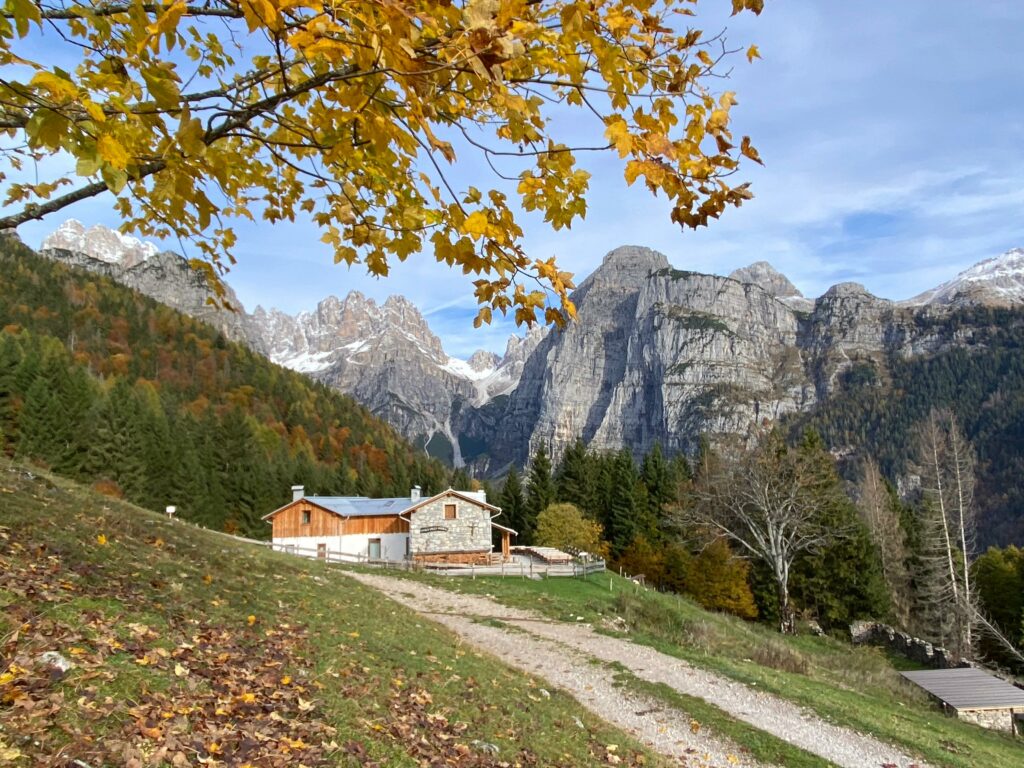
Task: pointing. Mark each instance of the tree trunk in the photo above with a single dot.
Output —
(787, 622)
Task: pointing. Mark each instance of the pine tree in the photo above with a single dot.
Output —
(657, 478)
(573, 480)
(842, 580)
(75, 398)
(622, 508)
(114, 451)
(460, 480)
(10, 361)
(540, 493)
(512, 503)
(34, 438)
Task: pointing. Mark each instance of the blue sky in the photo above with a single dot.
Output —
(892, 134)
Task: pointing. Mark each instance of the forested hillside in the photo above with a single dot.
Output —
(877, 405)
(107, 386)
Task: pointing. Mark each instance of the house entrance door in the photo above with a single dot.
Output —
(373, 551)
(321, 551)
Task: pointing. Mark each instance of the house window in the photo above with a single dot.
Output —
(449, 512)
(305, 517)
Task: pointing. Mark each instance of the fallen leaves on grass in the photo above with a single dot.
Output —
(208, 694)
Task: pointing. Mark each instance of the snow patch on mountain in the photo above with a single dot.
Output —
(996, 281)
(466, 370)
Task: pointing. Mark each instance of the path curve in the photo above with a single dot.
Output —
(560, 652)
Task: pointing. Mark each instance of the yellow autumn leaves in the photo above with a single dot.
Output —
(354, 117)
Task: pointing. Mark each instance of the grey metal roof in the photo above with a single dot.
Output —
(968, 688)
(361, 506)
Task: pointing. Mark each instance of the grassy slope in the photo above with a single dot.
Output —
(188, 645)
(857, 687)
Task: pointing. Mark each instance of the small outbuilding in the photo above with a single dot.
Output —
(974, 695)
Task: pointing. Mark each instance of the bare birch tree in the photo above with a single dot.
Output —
(882, 519)
(945, 463)
(961, 465)
(764, 500)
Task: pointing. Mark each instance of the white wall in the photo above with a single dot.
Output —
(304, 543)
(392, 545)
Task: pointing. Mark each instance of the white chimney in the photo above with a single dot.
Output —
(298, 491)
(414, 494)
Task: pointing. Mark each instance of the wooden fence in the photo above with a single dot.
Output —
(578, 568)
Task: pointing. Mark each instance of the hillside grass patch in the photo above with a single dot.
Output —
(189, 645)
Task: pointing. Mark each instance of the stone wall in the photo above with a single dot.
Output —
(993, 719)
(430, 532)
(913, 648)
(454, 558)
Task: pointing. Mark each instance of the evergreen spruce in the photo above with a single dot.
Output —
(10, 361)
(513, 505)
(540, 494)
(573, 480)
(656, 474)
(841, 581)
(622, 507)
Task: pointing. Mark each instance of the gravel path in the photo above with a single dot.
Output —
(561, 652)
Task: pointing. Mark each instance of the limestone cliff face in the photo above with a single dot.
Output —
(657, 355)
(663, 355)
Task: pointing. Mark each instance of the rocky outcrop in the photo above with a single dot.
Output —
(664, 355)
(164, 276)
(387, 357)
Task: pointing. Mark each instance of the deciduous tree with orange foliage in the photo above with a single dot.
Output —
(196, 113)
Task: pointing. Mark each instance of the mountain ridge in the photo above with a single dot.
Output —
(657, 355)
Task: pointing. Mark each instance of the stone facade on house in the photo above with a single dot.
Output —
(451, 528)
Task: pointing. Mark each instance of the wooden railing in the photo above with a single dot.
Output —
(579, 567)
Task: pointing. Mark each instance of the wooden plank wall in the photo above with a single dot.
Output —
(376, 524)
(288, 522)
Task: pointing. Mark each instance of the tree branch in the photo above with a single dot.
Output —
(66, 14)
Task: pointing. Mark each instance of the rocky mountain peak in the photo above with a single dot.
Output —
(842, 290)
(629, 263)
(764, 275)
(998, 281)
(482, 360)
(161, 275)
(100, 243)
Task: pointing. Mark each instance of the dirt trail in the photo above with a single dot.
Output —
(562, 654)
